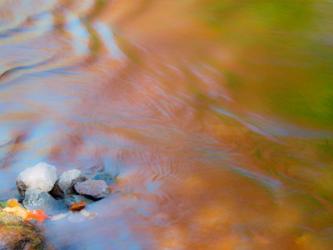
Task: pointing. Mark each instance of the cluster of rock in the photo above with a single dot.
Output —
(41, 188)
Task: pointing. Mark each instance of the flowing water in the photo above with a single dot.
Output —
(217, 116)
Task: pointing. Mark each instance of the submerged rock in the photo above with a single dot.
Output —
(107, 177)
(72, 199)
(15, 233)
(95, 189)
(35, 199)
(39, 177)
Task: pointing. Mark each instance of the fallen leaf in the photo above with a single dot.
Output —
(77, 206)
(13, 203)
(38, 215)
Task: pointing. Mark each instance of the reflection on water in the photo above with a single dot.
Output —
(216, 115)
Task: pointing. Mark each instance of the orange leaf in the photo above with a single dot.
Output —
(38, 215)
(77, 206)
(13, 203)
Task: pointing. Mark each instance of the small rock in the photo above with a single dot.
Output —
(69, 178)
(40, 177)
(95, 189)
(35, 200)
(65, 184)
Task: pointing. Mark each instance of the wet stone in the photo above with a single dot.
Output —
(68, 179)
(39, 177)
(95, 189)
(66, 182)
(35, 199)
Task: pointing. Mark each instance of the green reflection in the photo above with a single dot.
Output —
(284, 55)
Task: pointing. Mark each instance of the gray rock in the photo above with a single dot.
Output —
(65, 183)
(39, 177)
(69, 178)
(95, 189)
(35, 199)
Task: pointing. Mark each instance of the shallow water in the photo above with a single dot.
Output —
(217, 117)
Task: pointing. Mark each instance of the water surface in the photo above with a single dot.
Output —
(216, 115)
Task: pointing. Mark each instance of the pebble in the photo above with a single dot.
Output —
(69, 178)
(41, 190)
(95, 189)
(39, 177)
(65, 183)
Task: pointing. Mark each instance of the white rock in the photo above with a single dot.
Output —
(68, 178)
(39, 177)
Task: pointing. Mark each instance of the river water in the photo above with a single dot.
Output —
(216, 115)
